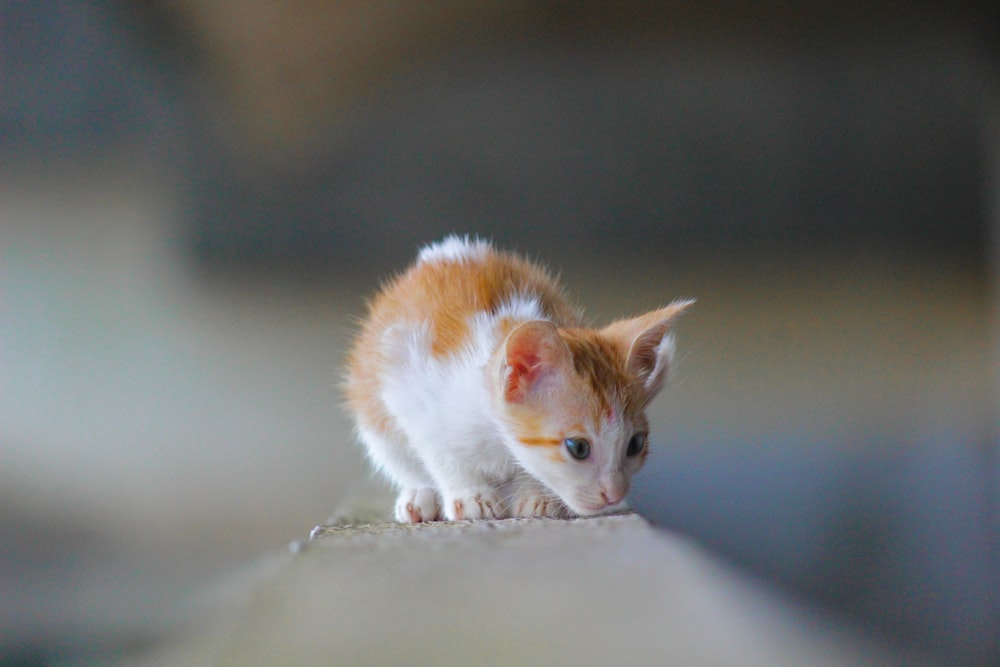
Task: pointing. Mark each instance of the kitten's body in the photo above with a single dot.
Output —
(471, 373)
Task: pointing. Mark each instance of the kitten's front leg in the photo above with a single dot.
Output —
(532, 499)
(467, 493)
(417, 505)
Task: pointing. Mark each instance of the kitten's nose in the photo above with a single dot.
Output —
(612, 499)
(613, 488)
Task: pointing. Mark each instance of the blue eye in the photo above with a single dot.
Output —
(578, 448)
(636, 444)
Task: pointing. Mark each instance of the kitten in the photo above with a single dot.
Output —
(478, 391)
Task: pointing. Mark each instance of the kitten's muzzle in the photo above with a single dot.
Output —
(614, 487)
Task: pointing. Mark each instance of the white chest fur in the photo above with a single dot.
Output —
(444, 404)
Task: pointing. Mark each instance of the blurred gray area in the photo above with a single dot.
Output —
(180, 272)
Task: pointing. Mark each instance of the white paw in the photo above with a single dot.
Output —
(539, 504)
(529, 498)
(417, 505)
(476, 505)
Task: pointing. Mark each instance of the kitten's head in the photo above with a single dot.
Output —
(572, 402)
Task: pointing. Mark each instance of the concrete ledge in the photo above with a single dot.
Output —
(601, 591)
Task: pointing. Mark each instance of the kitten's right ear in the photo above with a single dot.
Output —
(533, 353)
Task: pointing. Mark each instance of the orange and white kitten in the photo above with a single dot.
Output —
(478, 391)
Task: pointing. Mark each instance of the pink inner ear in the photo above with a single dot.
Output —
(528, 354)
(524, 364)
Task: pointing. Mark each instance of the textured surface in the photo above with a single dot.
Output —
(609, 590)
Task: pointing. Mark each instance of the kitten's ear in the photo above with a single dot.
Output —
(534, 352)
(650, 347)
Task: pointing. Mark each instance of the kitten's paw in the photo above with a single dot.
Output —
(539, 505)
(417, 505)
(478, 505)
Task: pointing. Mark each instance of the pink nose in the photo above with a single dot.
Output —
(613, 489)
(613, 498)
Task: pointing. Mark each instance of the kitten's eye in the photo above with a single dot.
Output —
(636, 444)
(578, 448)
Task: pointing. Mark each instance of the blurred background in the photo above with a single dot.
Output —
(196, 196)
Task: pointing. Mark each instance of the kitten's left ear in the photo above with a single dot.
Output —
(533, 354)
(650, 347)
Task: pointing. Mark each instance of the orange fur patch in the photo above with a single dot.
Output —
(447, 293)
(540, 442)
(602, 365)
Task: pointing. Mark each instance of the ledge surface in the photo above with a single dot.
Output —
(608, 590)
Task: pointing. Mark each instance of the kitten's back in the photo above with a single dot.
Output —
(451, 282)
(458, 278)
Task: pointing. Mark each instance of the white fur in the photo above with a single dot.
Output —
(664, 359)
(453, 441)
(454, 249)
(443, 406)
